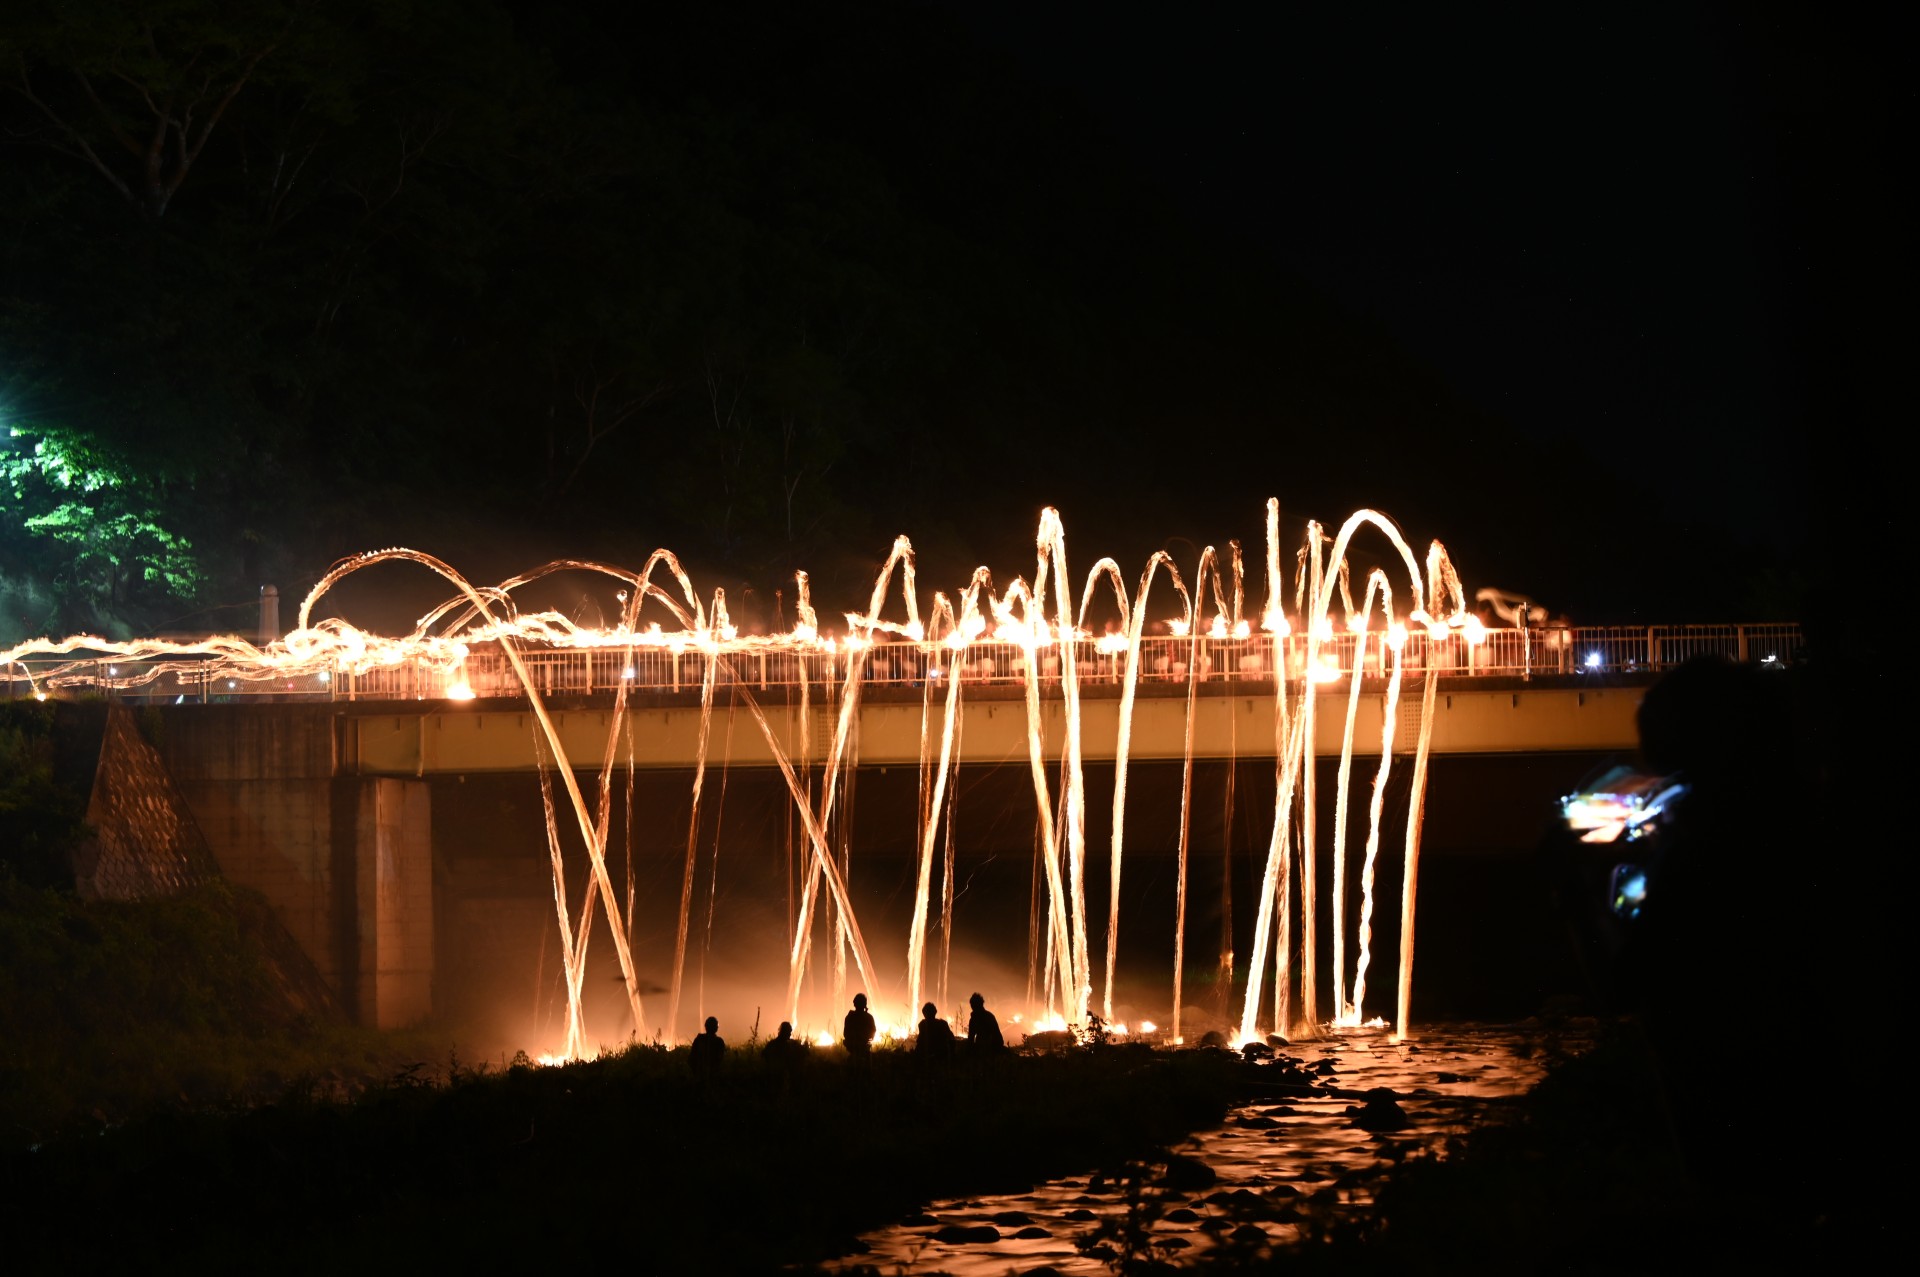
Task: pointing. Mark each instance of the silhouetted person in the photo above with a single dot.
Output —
(784, 1053)
(856, 1034)
(983, 1027)
(935, 1041)
(706, 1051)
(1739, 927)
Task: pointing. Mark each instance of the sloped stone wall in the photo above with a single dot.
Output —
(145, 841)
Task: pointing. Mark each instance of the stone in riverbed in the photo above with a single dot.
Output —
(1382, 1112)
(967, 1234)
(1012, 1217)
(1032, 1231)
(1187, 1173)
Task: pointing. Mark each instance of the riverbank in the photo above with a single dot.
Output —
(624, 1159)
(116, 1009)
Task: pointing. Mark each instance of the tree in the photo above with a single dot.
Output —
(134, 89)
(99, 532)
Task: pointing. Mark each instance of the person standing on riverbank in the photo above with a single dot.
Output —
(784, 1055)
(706, 1052)
(856, 1034)
(935, 1041)
(983, 1027)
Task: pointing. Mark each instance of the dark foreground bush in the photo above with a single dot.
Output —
(627, 1159)
(112, 1009)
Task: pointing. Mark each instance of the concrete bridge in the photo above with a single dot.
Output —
(328, 808)
(893, 727)
(325, 802)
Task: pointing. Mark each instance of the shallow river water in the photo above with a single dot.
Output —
(1269, 1157)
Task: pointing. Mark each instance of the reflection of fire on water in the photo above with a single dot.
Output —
(1041, 624)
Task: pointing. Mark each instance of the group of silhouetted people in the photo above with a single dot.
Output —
(936, 1036)
(934, 1042)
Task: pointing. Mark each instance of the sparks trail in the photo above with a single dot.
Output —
(1031, 632)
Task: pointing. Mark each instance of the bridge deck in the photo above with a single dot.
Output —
(1494, 715)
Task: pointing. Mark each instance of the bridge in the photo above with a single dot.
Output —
(319, 788)
(1537, 688)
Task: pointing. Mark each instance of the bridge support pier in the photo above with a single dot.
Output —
(345, 860)
(383, 880)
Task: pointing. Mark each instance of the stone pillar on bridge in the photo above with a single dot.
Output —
(344, 860)
(393, 901)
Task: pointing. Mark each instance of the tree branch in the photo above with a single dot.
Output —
(106, 117)
(191, 152)
(77, 146)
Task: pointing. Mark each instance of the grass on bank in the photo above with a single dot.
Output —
(627, 1158)
(113, 1010)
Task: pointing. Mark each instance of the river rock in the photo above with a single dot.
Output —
(1382, 1112)
(1184, 1174)
(967, 1234)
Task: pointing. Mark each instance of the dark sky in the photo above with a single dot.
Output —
(1607, 301)
(1635, 228)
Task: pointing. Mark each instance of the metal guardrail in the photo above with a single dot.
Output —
(1222, 663)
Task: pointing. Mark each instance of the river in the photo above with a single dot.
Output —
(1273, 1160)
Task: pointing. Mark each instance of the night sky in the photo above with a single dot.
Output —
(1593, 298)
(1635, 229)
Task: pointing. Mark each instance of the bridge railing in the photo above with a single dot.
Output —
(1165, 659)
